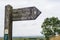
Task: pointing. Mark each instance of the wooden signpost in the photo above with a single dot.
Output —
(20, 14)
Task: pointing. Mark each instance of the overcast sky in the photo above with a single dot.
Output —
(48, 8)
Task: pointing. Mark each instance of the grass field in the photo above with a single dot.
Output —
(26, 38)
(55, 38)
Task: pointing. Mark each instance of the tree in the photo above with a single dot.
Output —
(51, 26)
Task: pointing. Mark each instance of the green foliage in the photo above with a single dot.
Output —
(51, 26)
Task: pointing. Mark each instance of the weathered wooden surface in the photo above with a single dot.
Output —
(8, 23)
(29, 13)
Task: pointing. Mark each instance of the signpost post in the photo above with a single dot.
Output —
(8, 23)
(20, 14)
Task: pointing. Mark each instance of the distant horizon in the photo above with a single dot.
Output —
(25, 36)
